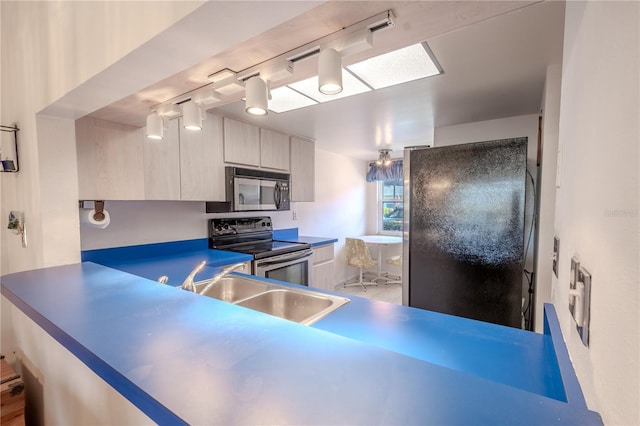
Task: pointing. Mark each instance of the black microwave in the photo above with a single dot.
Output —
(252, 190)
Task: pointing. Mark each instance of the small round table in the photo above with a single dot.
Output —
(379, 241)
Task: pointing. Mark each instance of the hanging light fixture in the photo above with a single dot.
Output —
(256, 96)
(155, 126)
(191, 116)
(384, 159)
(330, 72)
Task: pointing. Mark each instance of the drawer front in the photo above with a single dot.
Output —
(322, 254)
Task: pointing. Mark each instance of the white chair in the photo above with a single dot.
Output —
(395, 261)
(359, 257)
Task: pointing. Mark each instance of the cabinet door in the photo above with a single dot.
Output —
(323, 267)
(201, 165)
(274, 150)
(162, 165)
(241, 143)
(302, 169)
(110, 160)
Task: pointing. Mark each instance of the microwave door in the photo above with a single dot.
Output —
(246, 194)
(267, 195)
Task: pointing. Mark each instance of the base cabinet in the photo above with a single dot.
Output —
(323, 266)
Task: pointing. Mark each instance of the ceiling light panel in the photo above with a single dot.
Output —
(284, 99)
(400, 66)
(350, 86)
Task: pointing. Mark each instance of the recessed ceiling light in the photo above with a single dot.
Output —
(350, 86)
(285, 99)
(400, 66)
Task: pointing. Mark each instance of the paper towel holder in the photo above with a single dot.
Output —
(98, 206)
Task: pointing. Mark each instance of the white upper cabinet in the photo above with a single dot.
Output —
(185, 164)
(201, 161)
(302, 169)
(110, 160)
(241, 143)
(274, 150)
(162, 165)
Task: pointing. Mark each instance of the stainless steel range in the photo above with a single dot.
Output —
(279, 260)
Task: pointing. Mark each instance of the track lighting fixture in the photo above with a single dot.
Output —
(330, 72)
(191, 116)
(155, 126)
(227, 85)
(384, 159)
(256, 96)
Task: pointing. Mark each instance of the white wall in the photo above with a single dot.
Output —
(340, 205)
(597, 203)
(503, 128)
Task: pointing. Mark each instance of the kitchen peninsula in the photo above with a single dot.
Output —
(182, 358)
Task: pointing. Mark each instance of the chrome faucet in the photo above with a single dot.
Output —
(188, 284)
(220, 275)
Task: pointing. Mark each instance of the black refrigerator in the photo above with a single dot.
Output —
(464, 229)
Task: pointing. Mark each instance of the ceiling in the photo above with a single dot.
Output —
(494, 56)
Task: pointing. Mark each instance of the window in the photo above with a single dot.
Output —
(390, 207)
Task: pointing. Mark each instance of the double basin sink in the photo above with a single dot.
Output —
(293, 304)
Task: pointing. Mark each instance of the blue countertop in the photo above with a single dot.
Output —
(291, 234)
(193, 359)
(176, 259)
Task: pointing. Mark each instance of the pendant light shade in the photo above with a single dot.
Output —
(330, 72)
(191, 116)
(155, 127)
(256, 96)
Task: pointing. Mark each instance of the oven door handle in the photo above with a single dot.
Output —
(306, 253)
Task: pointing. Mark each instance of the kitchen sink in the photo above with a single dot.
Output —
(231, 289)
(288, 304)
(300, 305)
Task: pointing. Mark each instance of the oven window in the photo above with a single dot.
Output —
(296, 273)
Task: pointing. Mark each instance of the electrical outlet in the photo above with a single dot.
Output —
(556, 255)
(573, 274)
(584, 284)
(294, 215)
